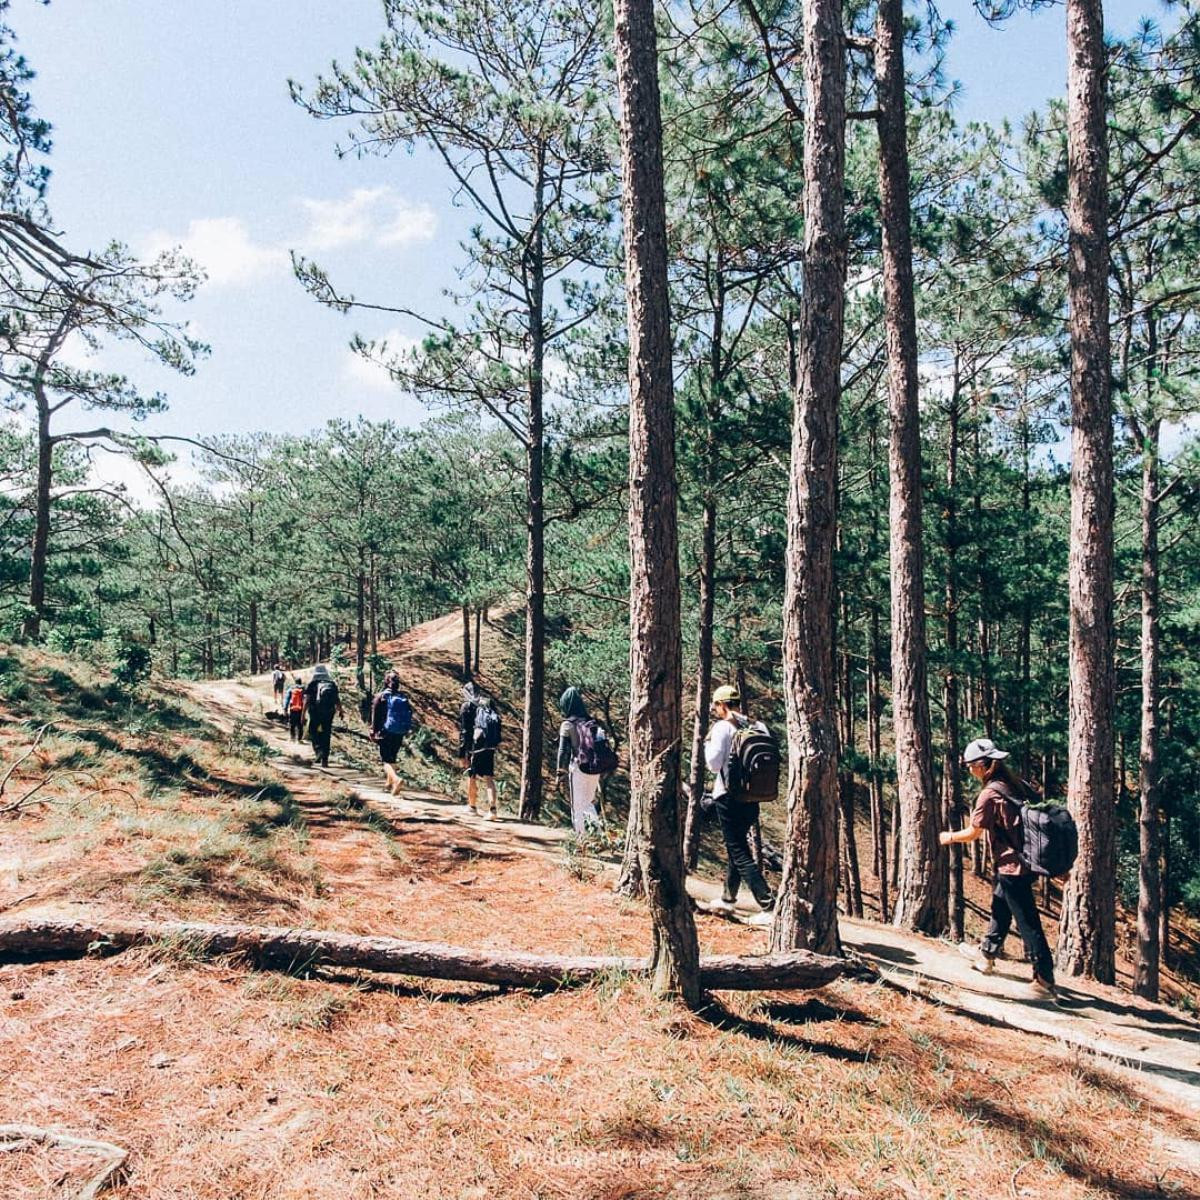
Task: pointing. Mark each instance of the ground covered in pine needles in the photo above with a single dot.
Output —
(223, 1081)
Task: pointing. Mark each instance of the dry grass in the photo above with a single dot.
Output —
(225, 1082)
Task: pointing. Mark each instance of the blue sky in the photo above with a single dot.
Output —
(172, 123)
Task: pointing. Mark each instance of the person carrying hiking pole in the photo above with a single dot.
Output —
(998, 813)
(585, 754)
(278, 682)
(391, 722)
(293, 704)
(478, 738)
(321, 700)
(737, 812)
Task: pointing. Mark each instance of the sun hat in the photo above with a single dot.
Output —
(726, 695)
(982, 748)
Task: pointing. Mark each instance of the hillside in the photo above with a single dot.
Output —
(222, 1081)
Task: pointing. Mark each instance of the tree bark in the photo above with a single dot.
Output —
(1146, 970)
(849, 873)
(466, 642)
(40, 551)
(806, 909)
(478, 636)
(879, 842)
(921, 896)
(951, 775)
(656, 682)
(1087, 935)
(532, 734)
(708, 568)
(282, 948)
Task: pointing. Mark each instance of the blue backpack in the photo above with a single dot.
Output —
(399, 714)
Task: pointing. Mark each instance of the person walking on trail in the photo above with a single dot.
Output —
(736, 816)
(478, 738)
(321, 700)
(581, 742)
(391, 722)
(278, 683)
(293, 703)
(997, 813)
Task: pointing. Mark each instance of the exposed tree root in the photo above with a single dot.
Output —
(114, 1156)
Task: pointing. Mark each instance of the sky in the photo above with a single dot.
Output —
(173, 125)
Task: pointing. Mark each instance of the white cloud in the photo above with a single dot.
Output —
(223, 247)
(374, 215)
(372, 375)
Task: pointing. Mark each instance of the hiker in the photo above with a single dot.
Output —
(998, 814)
(478, 737)
(278, 683)
(391, 722)
(293, 703)
(581, 743)
(321, 700)
(737, 816)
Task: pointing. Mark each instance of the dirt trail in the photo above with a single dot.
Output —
(1158, 1046)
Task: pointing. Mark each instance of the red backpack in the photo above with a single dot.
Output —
(296, 704)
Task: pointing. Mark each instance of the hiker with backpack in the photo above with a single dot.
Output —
(744, 757)
(278, 683)
(321, 700)
(293, 705)
(1000, 813)
(585, 755)
(391, 722)
(478, 739)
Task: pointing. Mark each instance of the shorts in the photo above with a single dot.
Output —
(483, 763)
(389, 746)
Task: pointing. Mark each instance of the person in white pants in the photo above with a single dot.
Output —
(581, 788)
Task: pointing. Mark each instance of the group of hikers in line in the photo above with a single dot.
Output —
(1027, 837)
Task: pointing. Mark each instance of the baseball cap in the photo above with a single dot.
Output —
(726, 695)
(982, 748)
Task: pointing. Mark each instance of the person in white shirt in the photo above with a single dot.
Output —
(736, 817)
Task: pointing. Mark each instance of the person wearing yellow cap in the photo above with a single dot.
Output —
(736, 818)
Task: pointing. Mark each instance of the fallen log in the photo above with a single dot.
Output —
(299, 949)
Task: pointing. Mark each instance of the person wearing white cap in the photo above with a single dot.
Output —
(998, 814)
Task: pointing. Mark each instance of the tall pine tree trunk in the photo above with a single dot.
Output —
(704, 668)
(806, 910)
(850, 876)
(532, 735)
(1145, 980)
(921, 896)
(656, 652)
(951, 774)
(466, 642)
(1086, 943)
(478, 636)
(40, 551)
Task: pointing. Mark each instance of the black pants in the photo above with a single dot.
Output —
(321, 738)
(736, 822)
(295, 725)
(1012, 898)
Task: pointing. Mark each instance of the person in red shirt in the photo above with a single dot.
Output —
(998, 815)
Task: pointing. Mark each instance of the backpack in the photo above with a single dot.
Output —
(325, 698)
(752, 772)
(399, 714)
(487, 727)
(596, 755)
(1049, 837)
(296, 700)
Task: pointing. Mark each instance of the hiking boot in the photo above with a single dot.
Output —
(493, 813)
(980, 962)
(727, 897)
(1042, 989)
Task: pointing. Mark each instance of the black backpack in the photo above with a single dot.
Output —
(325, 697)
(752, 773)
(1049, 837)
